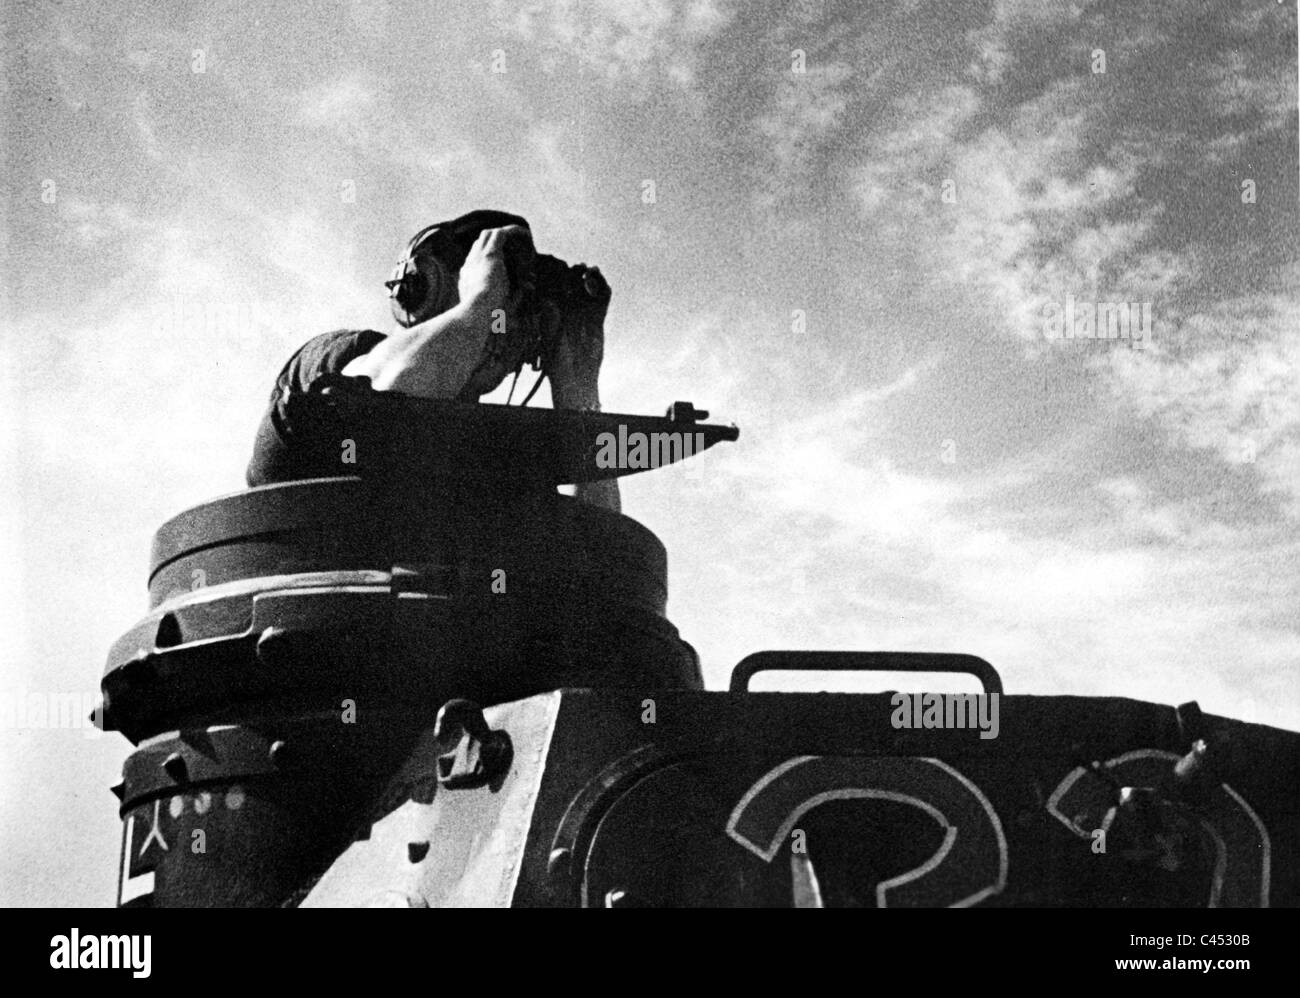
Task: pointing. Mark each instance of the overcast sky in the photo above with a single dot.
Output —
(192, 190)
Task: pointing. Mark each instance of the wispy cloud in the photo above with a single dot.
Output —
(625, 41)
(807, 109)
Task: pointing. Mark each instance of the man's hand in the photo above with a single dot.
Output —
(484, 284)
(579, 324)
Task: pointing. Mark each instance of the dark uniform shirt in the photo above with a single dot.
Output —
(286, 450)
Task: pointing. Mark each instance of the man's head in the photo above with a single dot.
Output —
(426, 280)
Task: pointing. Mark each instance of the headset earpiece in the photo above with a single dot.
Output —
(420, 288)
(407, 289)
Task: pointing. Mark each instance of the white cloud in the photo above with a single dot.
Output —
(1235, 390)
(806, 111)
(1022, 223)
(94, 223)
(623, 40)
(339, 103)
(1064, 193)
(358, 110)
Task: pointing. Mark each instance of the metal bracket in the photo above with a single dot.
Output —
(470, 754)
(685, 412)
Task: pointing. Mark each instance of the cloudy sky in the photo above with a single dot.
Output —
(839, 225)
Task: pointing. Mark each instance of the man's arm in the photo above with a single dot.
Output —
(431, 360)
(603, 493)
(575, 372)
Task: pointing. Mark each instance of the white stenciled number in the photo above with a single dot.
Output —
(969, 865)
(1241, 845)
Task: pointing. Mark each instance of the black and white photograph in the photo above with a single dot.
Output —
(652, 453)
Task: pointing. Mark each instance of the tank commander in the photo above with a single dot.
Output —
(472, 299)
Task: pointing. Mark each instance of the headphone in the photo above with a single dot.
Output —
(425, 278)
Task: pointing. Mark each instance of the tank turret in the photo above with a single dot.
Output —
(301, 636)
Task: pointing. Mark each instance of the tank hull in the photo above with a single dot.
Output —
(680, 798)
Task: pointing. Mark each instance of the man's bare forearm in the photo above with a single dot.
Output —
(603, 493)
(431, 360)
